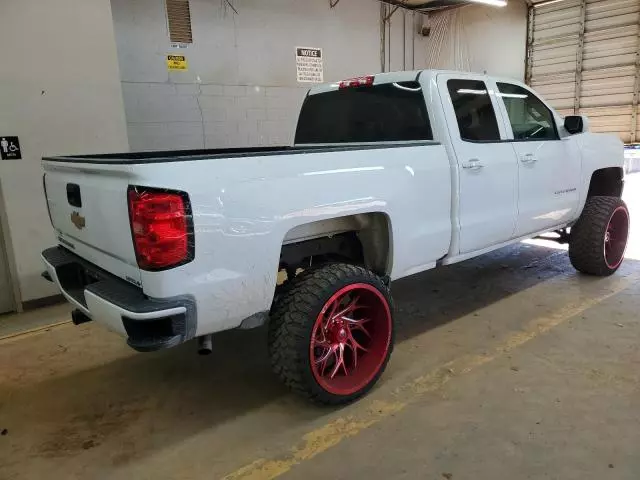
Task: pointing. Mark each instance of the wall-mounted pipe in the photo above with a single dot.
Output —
(413, 40)
(389, 67)
(383, 31)
(404, 39)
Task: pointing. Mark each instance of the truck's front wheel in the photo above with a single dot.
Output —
(331, 334)
(599, 238)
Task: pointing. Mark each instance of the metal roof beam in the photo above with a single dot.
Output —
(434, 4)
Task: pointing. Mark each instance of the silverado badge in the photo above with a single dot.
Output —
(78, 220)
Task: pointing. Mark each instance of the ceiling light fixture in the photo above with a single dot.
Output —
(544, 3)
(495, 3)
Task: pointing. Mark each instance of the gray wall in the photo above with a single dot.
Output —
(241, 89)
(480, 39)
(241, 86)
(60, 93)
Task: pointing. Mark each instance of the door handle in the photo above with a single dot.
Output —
(473, 164)
(528, 158)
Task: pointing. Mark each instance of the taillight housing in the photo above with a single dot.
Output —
(366, 81)
(161, 227)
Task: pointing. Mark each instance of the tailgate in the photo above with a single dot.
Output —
(89, 211)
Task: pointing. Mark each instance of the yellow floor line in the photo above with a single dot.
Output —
(331, 434)
(33, 331)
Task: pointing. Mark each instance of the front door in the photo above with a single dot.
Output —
(549, 167)
(6, 290)
(487, 167)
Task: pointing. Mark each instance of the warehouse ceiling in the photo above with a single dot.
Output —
(428, 5)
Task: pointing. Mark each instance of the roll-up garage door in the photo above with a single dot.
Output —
(583, 56)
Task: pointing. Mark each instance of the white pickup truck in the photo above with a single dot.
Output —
(390, 175)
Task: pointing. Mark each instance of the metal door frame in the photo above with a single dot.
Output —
(6, 252)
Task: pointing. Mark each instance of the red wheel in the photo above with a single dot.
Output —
(599, 238)
(615, 238)
(350, 339)
(331, 334)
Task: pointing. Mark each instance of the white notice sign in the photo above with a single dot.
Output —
(309, 64)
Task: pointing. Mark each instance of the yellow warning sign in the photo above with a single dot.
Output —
(177, 62)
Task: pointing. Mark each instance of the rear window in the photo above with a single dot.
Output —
(391, 112)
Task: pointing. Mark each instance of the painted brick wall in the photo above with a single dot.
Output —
(240, 88)
(174, 116)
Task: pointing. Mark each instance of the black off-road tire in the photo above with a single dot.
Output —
(588, 236)
(293, 316)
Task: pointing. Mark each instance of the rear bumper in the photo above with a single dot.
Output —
(149, 324)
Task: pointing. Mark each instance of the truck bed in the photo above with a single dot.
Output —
(245, 208)
(213, 153)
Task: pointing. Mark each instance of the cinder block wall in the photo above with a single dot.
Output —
(240, 88)
(173, 115)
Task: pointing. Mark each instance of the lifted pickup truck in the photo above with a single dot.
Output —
(390, 175)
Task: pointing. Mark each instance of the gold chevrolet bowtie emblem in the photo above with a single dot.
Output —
(78, 220)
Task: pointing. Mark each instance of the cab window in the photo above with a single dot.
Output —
(474, 111)
(530, 118)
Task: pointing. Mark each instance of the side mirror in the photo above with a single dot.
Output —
(574, 124)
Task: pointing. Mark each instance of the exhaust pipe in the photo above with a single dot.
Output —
(205, 344)
(78, 317)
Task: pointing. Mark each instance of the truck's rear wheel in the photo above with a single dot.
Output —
(599, 238)
(331, 333)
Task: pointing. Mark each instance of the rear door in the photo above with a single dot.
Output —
(487, 167)
(548, 166)
(89, 212)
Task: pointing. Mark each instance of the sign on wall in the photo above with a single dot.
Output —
(10, 148)
(309, 65)
(177, 62)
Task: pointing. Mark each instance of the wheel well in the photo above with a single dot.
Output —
(606, 182)
(362, 239)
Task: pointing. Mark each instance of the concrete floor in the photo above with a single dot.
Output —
(508, 366)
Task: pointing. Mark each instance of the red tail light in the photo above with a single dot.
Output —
(162, 228)
(357, 82)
